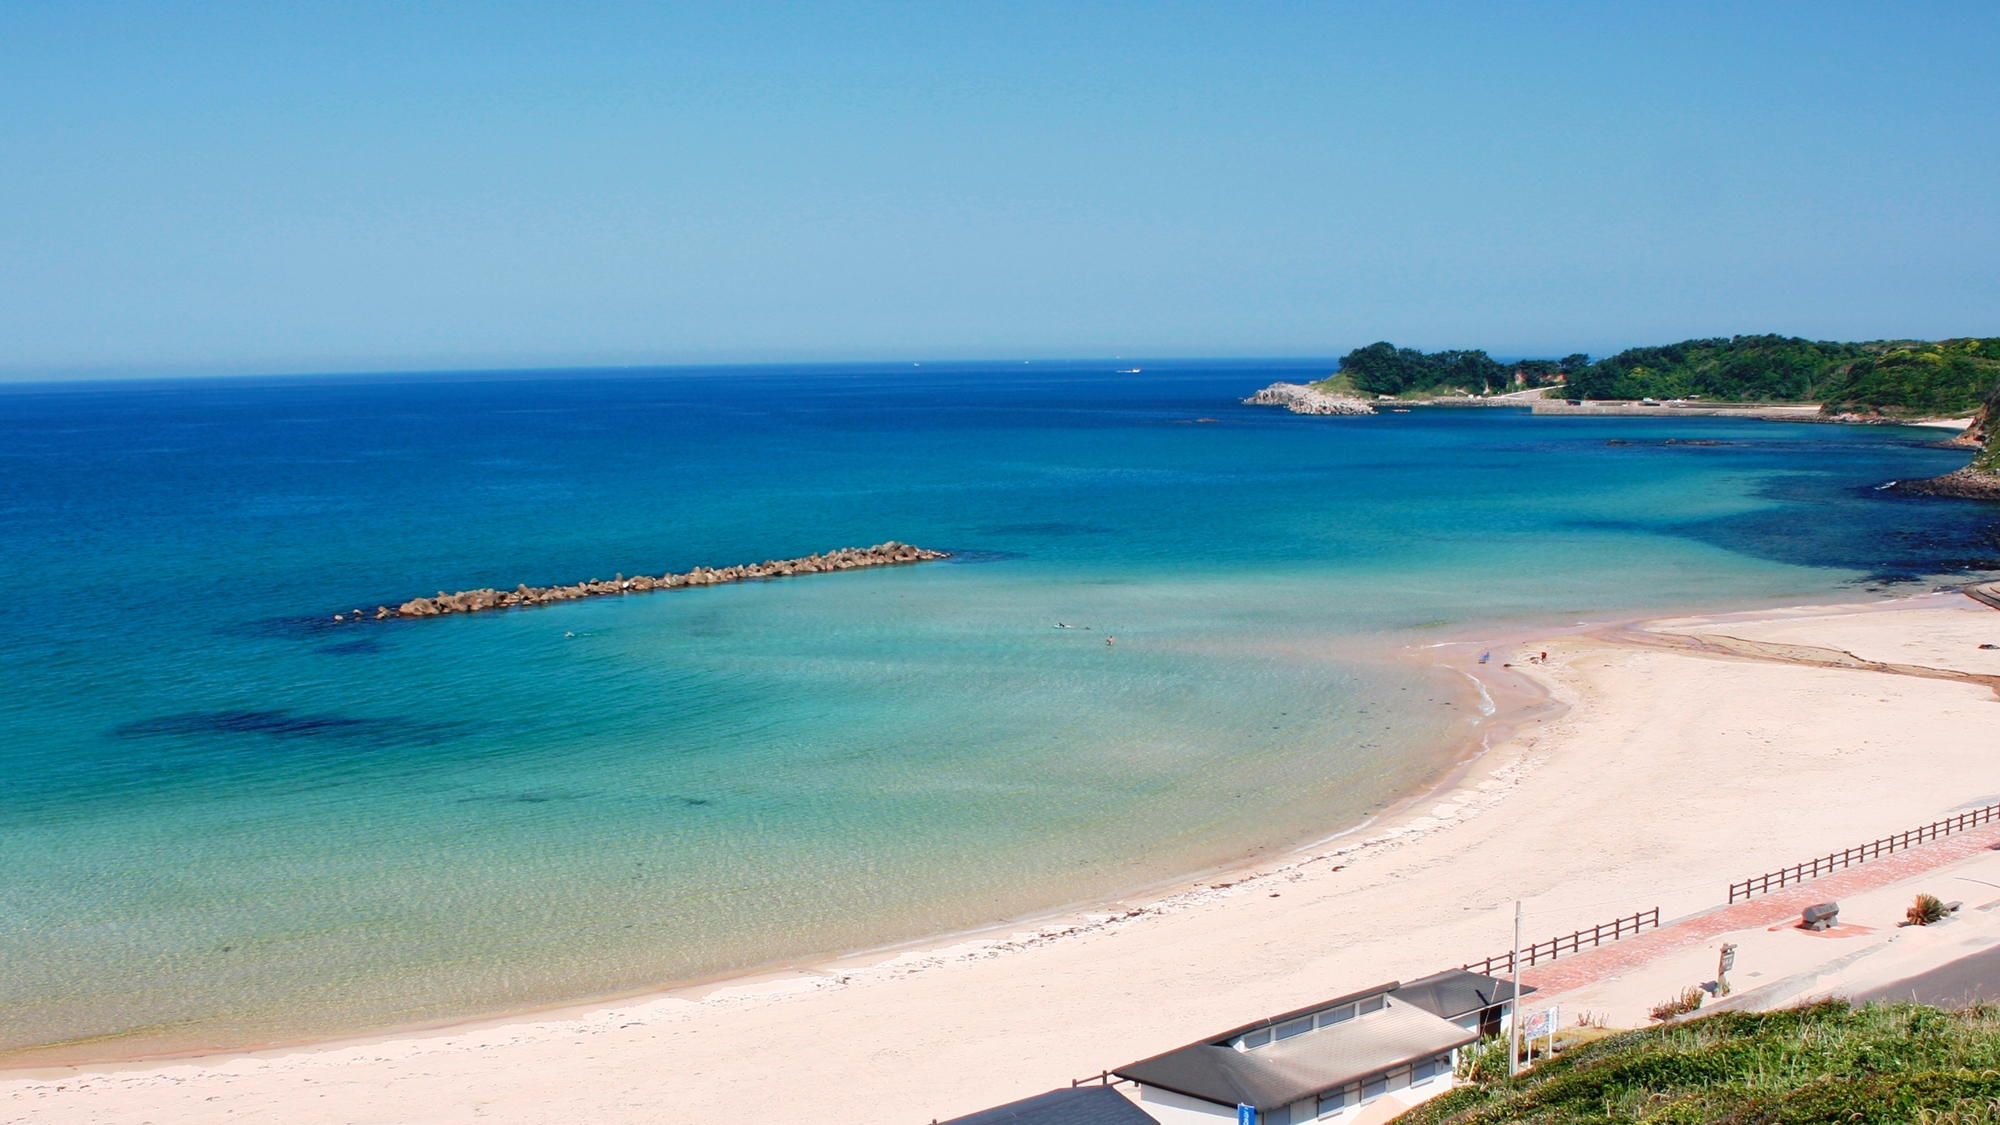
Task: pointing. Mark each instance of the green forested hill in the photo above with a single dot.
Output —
(1825, 1063)
(1744, 368)
(1950, 376)
(1892, 376)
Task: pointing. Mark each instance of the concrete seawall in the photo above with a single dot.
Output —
(1804, 413)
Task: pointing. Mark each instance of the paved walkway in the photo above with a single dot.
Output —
(1774, 911)
(1953, 985)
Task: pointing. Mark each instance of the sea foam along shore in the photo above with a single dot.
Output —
(891, 553)
(1672, 772)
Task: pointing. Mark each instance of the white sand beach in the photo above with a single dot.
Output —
(1669, 774)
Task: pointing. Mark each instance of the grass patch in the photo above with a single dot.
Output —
(1339, 385)
(1687, 1001)
(1825, 1062)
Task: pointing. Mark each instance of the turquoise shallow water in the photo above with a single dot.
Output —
(227, 820)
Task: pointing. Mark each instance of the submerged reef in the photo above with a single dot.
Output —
(891, 553)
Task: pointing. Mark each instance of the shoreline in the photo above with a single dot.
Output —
(1528, 700)
(1516, 699)
(1655, 776)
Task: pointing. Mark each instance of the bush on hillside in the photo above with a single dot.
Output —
(1826, 1062)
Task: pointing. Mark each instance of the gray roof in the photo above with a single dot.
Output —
(1281, 1017)
(1304, 1065)
(1081, 1105)
(1456, 992)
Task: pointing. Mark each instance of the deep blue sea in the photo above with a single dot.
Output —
(227, 819)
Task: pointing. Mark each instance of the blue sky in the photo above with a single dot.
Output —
(273, 188)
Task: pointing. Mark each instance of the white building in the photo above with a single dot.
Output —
(1353, 1060)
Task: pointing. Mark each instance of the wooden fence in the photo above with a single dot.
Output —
(1848, 857)
(1569, 943)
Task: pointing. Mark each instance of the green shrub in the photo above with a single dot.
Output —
(1484, 1061)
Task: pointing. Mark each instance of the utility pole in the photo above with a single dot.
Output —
(1514, 1023)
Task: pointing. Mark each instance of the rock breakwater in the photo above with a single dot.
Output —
(1301, 399)
(891, 553)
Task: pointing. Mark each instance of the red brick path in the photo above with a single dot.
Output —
(1605, 961)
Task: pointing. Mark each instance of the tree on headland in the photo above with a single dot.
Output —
(1946, 377)
(1886, 377)
(1741, 368)
(1384, 369)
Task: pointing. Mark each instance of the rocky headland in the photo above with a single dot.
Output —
(1966, 484)
(891, 553)
(1977, 481)
(1301, 399)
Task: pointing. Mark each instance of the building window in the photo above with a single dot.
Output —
(1374, 1087)
(1296, 1027)
(1333, 1101)
(1338, 1015)
(1430, 1068)
(1255, 1039)
(1372, 1004)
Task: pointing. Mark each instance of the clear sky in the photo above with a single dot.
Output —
(301, 187)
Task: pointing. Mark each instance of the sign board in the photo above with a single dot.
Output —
(1540, 1024)
(1728, 957)
(1245, 1115)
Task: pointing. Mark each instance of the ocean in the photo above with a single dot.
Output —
(229, 820)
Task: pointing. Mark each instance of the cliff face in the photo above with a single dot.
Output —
(1987, 460)
(1301, 399)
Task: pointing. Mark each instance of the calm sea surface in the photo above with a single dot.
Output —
(227, 819)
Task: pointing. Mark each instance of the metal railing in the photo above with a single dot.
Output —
(1570, 943)
(1874, 849)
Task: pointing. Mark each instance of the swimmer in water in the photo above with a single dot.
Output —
(1111, 640)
